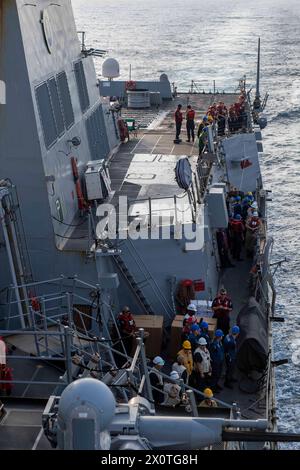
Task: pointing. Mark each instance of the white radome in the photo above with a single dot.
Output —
(110, 68)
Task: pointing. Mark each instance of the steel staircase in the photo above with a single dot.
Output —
(129, 255)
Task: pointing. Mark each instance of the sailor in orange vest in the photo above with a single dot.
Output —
(252, 228)
(178, 122)
(190, 123)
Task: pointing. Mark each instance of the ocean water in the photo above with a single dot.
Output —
(206, 41)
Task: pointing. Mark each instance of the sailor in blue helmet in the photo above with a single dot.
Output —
(217, 359)
(194, 336)
(230, 349)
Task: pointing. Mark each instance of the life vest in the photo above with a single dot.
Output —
(160, 379)
(130, 85)
(254, 223)
(127, 323)
(35, 304)
(187, 359)
(178, 116)
(236, 226)
(204, 365)
(190, 115)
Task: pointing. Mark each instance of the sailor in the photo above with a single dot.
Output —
(178, 123)
(186, 356)
(217, 359)
(223, 248)
(190, 123)
(194, 336)
(202, 364)
(191, 311)
(222, 306)
(156, 379)
(172, 391)
(230, 348)
(202, 124)
(127, 328)
(252, 228)
(208, 402)
(6, 375)
(202, 141)
(237, 236)
(179, 367)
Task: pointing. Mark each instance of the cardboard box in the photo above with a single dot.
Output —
(152, 324)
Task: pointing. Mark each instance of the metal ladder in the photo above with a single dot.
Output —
(137, 287)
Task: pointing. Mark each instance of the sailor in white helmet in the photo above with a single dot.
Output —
(172, 390)
(202, 364)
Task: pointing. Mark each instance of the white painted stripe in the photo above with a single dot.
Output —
(132, 151)
(39, 436)
(156, 144)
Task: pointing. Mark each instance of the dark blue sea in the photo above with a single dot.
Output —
(205, 41)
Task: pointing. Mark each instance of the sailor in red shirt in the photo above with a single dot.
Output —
(127, 327)
(237, 230)
(222, 306)
(178, 123)
(190, 123)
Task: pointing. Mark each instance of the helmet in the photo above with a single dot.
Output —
(249, 193)
(254, 205)
(208, 393)
(235, 330)
(203, 324)
(174, 375)
(126, 309)
(186, 345)
(195, 327)
(205, 118)
(202, 342)
(237, 217)
(238, 198)
(219, 333)
(255, 214)
(158, 361)
(192, 307)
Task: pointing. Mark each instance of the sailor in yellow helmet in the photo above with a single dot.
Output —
(186, 356)
(208, 402)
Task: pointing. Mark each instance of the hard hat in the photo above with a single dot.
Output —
(255, 214)
(238, 198)
(186, 345)
(254, 205)
(237, 217)
(205, 118)
(249, 193)
(158, 361)
(195, 327)
(192, 307)
(126, 309)
(235, 330)
(208, 393)
(219, 333)
(174, 375)
(202, 342)
(203, 324)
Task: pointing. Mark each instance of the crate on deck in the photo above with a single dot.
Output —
(153, 325)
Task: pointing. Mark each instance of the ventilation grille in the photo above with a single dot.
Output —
(81, 85)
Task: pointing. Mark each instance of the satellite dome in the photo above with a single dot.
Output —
(163, 77)
(110, 68)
